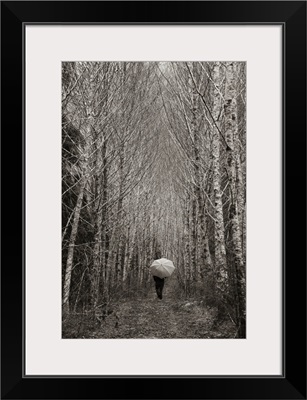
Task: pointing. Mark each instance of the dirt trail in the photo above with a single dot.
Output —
(169, 318)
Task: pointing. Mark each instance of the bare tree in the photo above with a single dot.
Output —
(154, 161)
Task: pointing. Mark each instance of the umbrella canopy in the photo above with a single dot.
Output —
(162, 268)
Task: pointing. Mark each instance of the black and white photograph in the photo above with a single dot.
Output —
(154, 200)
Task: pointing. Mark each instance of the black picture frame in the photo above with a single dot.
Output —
(292, 16)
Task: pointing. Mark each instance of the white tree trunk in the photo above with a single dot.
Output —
(220, 252)
(71, 246)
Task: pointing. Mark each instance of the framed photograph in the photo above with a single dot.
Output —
(163, 149)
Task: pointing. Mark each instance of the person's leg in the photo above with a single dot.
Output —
(156, 284)
(159, 288)
(159, 291)
(162, 286)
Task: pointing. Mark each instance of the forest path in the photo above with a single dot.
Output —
(151, 318)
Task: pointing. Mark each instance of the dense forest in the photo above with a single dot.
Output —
(153, 163)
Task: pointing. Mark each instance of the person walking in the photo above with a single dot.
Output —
(161, 269)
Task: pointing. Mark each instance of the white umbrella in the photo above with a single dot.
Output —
(162, 268)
